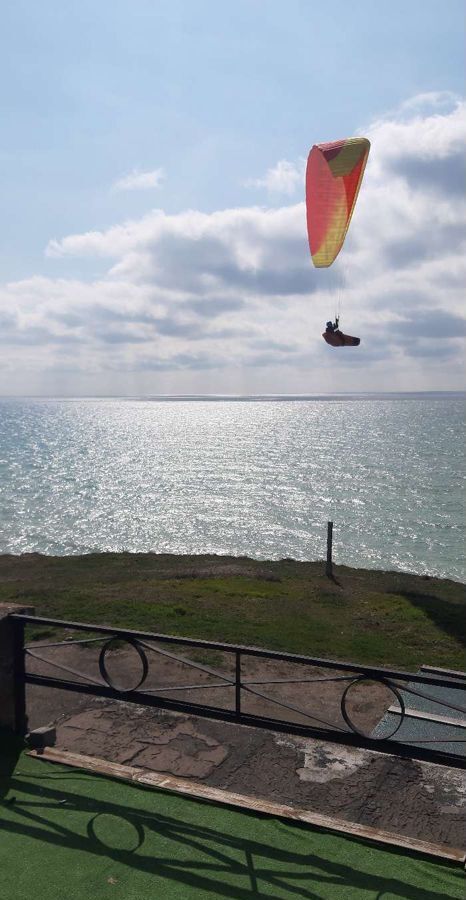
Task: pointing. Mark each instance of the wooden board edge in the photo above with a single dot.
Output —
(199, 791)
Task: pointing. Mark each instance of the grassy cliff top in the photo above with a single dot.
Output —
(363, 615)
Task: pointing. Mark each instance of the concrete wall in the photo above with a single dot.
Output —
(10, 693)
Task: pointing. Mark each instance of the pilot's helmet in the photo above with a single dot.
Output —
(329, 325)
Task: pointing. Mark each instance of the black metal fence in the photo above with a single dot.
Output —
(420, 716)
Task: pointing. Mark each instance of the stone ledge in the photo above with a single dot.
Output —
(7, 609)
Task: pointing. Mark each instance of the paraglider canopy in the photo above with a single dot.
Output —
(333, 178)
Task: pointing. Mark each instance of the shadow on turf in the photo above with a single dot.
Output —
(212, 853)
(11, 748)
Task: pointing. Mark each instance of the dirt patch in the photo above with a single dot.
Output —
(306, 695)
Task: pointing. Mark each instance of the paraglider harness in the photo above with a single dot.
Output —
(332, 327)
(333, 336)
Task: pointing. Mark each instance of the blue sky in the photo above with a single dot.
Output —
(209, 97)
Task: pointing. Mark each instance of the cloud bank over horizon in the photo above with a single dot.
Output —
(228, 301)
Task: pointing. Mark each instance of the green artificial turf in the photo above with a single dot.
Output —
(69, 835)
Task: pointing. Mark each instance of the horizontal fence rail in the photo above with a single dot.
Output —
(420, 716)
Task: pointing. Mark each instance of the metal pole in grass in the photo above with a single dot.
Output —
(328, 567)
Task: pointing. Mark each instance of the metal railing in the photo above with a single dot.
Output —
(420, 716)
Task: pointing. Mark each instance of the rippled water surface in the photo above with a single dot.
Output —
(239, 477)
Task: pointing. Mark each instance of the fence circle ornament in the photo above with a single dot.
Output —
(105, 673)
(396, 693)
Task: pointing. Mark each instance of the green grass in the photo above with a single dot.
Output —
(384, 618)
(66, 833)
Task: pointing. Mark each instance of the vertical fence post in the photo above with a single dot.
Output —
(19, 678)
(238, 685)
(12, 682)
(328, 567)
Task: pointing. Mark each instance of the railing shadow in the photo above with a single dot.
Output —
(11, 747)
(46, 808)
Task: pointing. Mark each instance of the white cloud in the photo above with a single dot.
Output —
(283, 178)
(429, 135)
(229, 300)
(425, 104)
(139, 181)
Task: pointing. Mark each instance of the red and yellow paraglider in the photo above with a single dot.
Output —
(333, 178)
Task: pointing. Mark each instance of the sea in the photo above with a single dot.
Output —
(243, 476)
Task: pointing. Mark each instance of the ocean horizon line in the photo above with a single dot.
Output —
(225, 397)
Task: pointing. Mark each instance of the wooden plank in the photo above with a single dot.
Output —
(429, 717)
(216, 795)
(448, 673)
